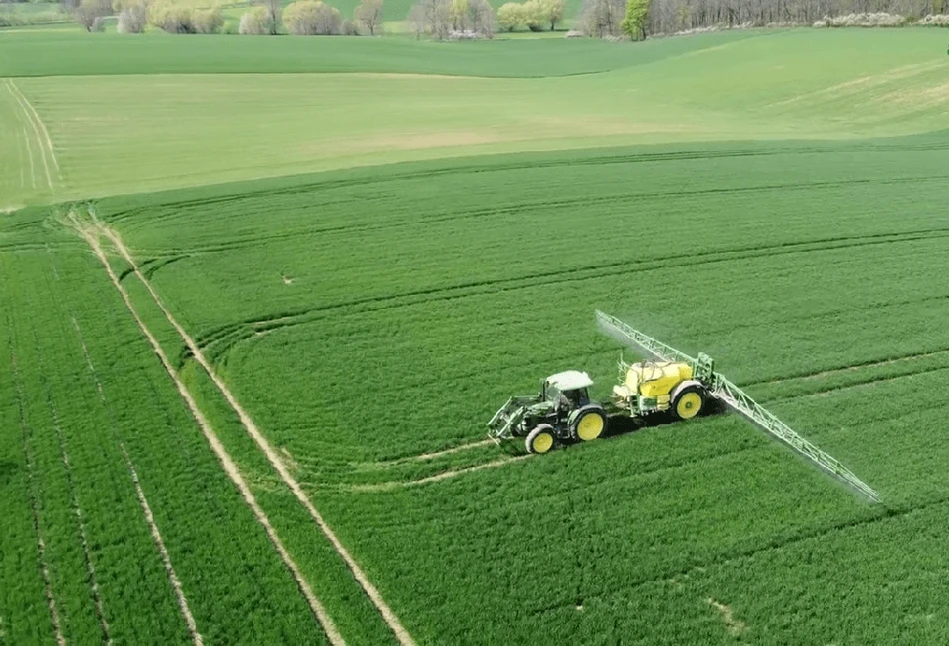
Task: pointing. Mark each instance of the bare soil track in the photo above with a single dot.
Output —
(146, 510)
(433, 455)
(444, 475)
(734, 626)
(91, 233)
(50, 165)
(160, 544)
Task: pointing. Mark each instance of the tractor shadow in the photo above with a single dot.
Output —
(619, 424)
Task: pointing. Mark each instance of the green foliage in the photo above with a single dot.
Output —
(553, 11)
(634, 22)
(473, 16)
(533, 14)
(510, 16)
(312, 17)
(208, 21)
(182, 19)
(459, 9)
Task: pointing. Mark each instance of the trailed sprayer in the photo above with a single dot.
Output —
(671, 383)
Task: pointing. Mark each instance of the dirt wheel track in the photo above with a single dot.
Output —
(438, 477)
(163, 551)
(91, 233)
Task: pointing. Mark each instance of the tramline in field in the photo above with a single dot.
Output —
(562, 412)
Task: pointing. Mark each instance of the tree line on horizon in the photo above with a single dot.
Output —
(444, 19)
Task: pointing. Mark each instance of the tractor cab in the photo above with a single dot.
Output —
(567, 390)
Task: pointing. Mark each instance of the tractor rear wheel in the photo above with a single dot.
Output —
(540, 439)
(589, 423)
(688, 403)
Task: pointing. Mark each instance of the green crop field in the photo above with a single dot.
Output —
(260, 296)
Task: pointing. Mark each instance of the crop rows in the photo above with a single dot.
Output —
(315, 564)
(104, 415)
(376, 323)
(450, 345)
(335, 368)
(254, 413)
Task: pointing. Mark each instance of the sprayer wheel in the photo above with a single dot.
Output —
(688, 403)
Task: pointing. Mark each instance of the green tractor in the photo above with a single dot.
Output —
(561, 413)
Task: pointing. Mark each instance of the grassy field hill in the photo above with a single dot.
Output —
(267, 293)
(287, 114)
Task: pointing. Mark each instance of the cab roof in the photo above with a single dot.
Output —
(570, 380)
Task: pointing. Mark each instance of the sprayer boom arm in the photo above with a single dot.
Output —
(737, 399)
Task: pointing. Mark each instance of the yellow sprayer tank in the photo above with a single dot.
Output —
(656, 379)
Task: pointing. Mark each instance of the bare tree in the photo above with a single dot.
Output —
(256, 22)
(369, 13)
(482, 18)
(602, 17)
(417, 20)
(90, 13)
(133, 16)
(274, 9)
(432, 17)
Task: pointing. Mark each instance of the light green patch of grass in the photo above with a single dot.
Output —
(128, 133)
(158, 52)
(23, 14)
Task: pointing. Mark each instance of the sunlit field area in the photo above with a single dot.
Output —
(260, 298)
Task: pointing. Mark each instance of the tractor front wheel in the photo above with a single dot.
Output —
(688, 403)
(589, 423)
(540, 439)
